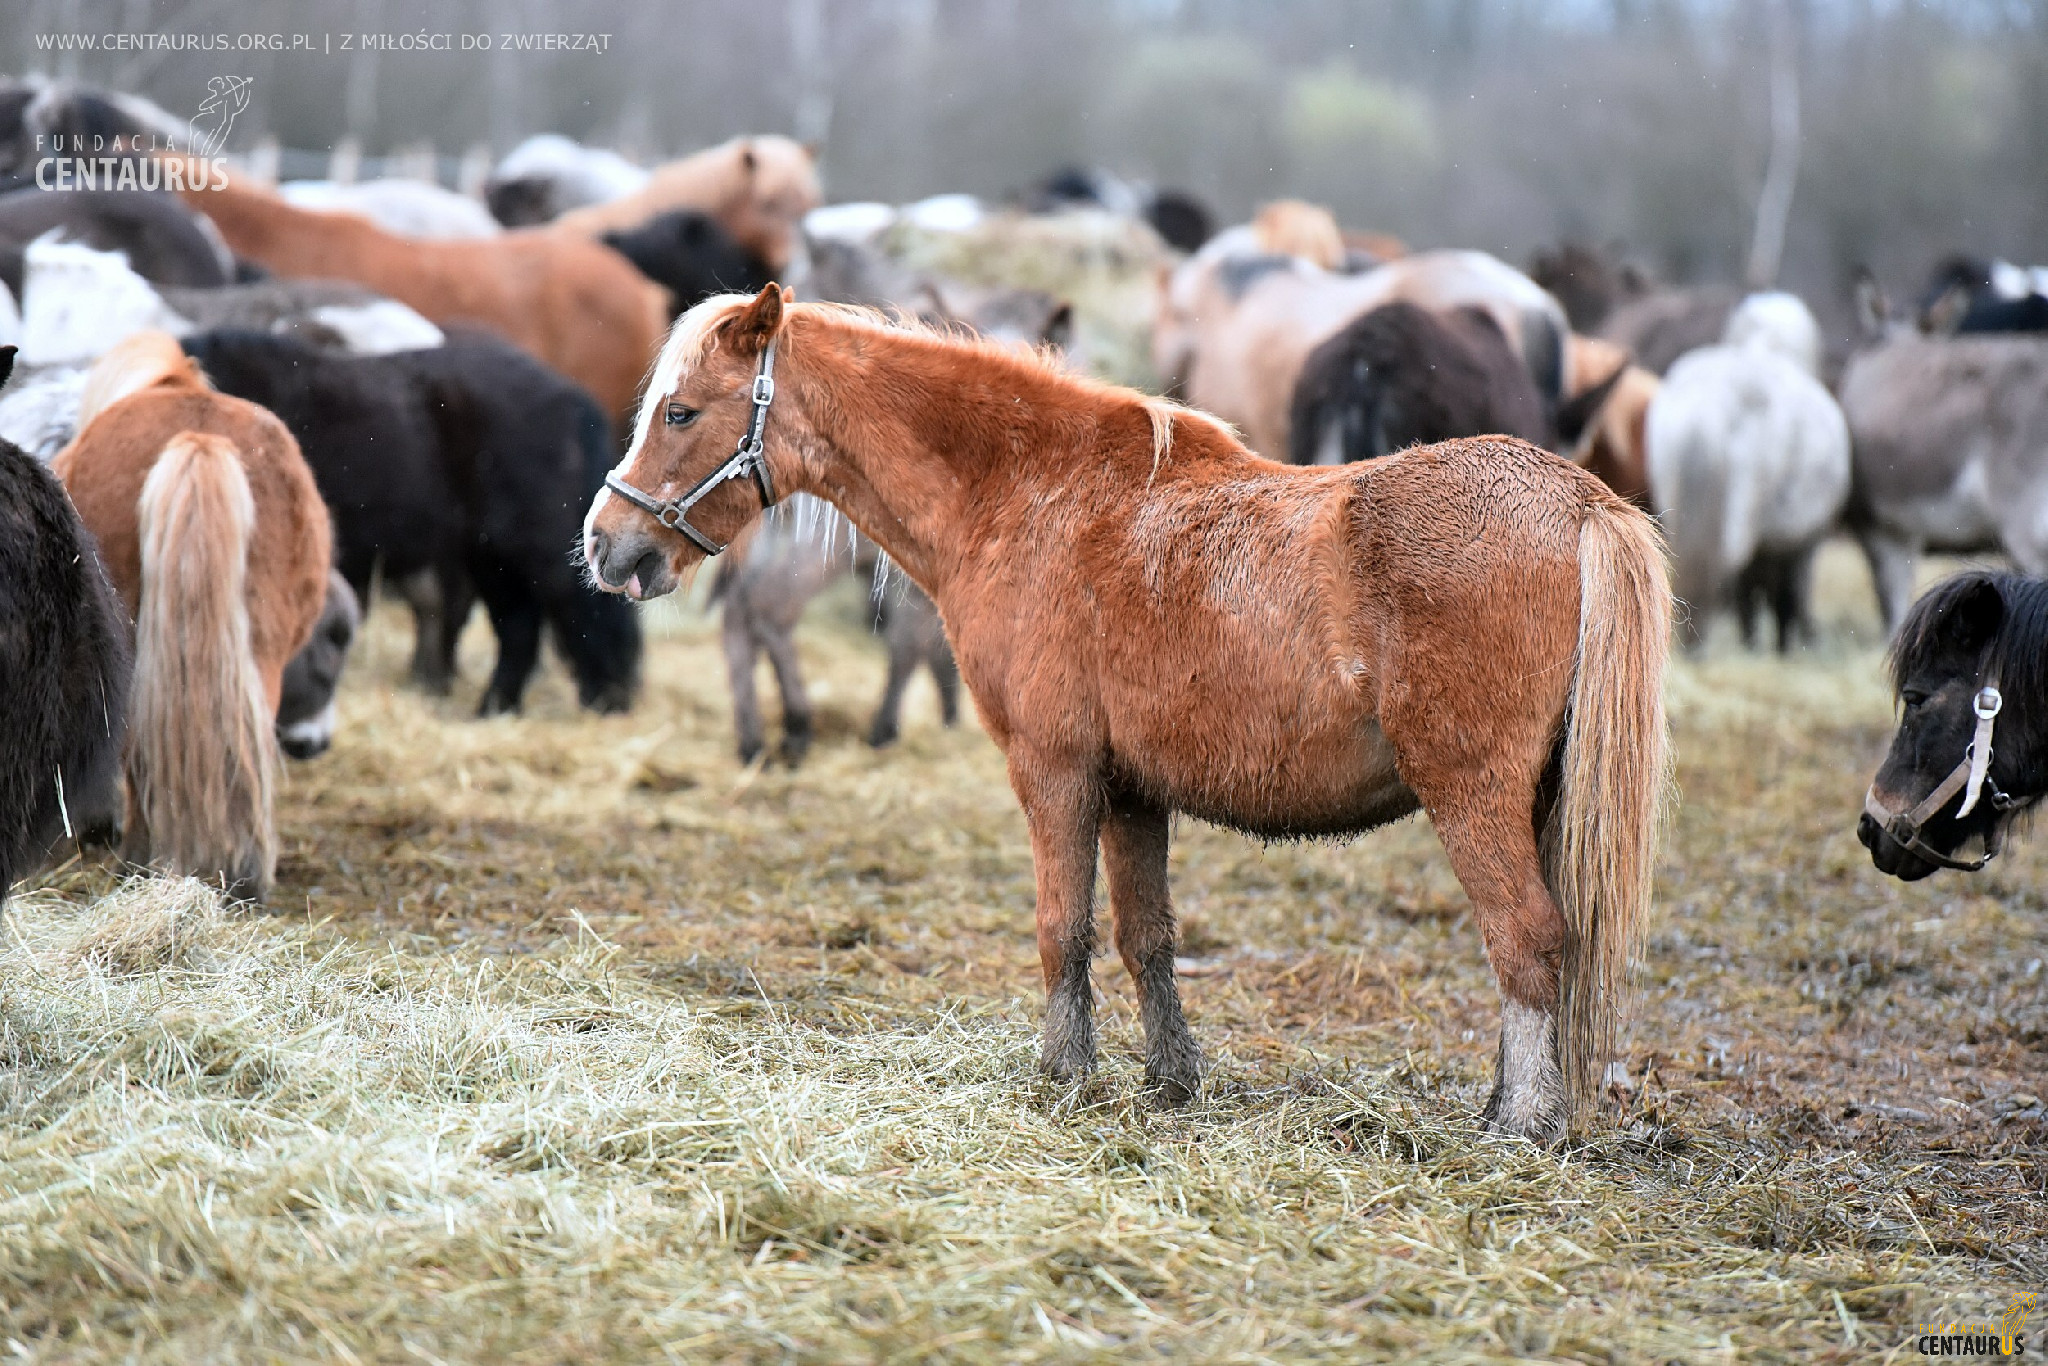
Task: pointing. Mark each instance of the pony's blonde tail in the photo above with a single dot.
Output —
(202, 749)
(1600, 846)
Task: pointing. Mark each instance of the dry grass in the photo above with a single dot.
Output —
(580, 1043)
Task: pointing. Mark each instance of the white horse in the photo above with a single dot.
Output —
(410, 208)
(1749, 467)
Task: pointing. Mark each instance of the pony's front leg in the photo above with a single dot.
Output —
(1134, 843)
(1063, 808)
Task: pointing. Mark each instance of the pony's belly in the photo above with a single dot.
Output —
(1274, 780)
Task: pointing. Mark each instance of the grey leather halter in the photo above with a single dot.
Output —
(1973, 772)
(746, 462)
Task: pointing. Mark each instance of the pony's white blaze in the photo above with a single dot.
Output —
(688, 341)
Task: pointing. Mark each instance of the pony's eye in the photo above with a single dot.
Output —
(681, 416)
(1912, 697)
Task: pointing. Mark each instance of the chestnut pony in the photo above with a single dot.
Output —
(1151, 619)
(218, 544)
(576, 305)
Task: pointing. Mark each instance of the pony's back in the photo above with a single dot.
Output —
(202, 756)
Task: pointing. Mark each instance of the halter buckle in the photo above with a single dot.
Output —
(1988, 702)
(764, 390)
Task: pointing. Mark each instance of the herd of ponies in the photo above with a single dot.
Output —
(1404, 530)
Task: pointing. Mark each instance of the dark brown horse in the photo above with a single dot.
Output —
(1151, 619)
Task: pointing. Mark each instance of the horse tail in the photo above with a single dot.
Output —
(1600, 841)
(203, 748)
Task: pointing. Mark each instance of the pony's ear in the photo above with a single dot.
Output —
(754, 326)
(6, 362)
(1972, 620)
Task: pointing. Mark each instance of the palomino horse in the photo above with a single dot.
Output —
(1612, 443)
(576, 305)
(217, 541)
(1151, 619)
(758, 188)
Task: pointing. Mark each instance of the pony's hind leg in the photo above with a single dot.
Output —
(903, 657)
(1134, 844)
(1492, 848)
(1063, 810)
(797, 723)
(517, 622)
(737, 635)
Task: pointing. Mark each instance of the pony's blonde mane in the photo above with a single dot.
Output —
(144, 360)
(695, 336)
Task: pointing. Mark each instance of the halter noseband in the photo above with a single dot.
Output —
(1972, 772)
(746, 462)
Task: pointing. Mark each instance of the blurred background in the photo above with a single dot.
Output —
(1922, 128)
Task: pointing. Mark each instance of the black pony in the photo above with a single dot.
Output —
(459, 472)
(65, 662)
(690, 256)
(1962, 297)
(1970, 665)
(1402, 375)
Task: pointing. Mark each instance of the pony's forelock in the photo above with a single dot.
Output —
(2019, 653)
(690, 340)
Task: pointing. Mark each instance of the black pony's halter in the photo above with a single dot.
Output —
(1971, 775)
(746, 462)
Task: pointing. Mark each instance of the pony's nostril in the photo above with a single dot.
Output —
(595, 549)
(648, 568)
(1866, 832)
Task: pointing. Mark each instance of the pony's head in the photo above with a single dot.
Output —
(1973, 630)
(693, 421)
(774, 184)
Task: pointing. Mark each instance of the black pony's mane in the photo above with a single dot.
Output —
(2019, 653)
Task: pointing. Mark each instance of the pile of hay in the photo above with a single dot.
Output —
(1107, 267)
(580, 1042)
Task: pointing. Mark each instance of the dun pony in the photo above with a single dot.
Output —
(1151, 619)
(217, 541)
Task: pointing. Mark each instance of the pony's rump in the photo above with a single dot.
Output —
(202, 756)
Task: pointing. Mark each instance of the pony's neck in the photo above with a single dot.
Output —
(910, 437)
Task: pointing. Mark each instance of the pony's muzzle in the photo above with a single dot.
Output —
(629, 563)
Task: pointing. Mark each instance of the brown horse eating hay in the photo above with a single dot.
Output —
(1151, 619)
(215, 537)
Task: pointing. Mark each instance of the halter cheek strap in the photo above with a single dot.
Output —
(746, 462)
(1971, 776)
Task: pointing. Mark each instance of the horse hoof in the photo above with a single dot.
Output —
(879, 738)
(1543, 1129)
(1170, 1093)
